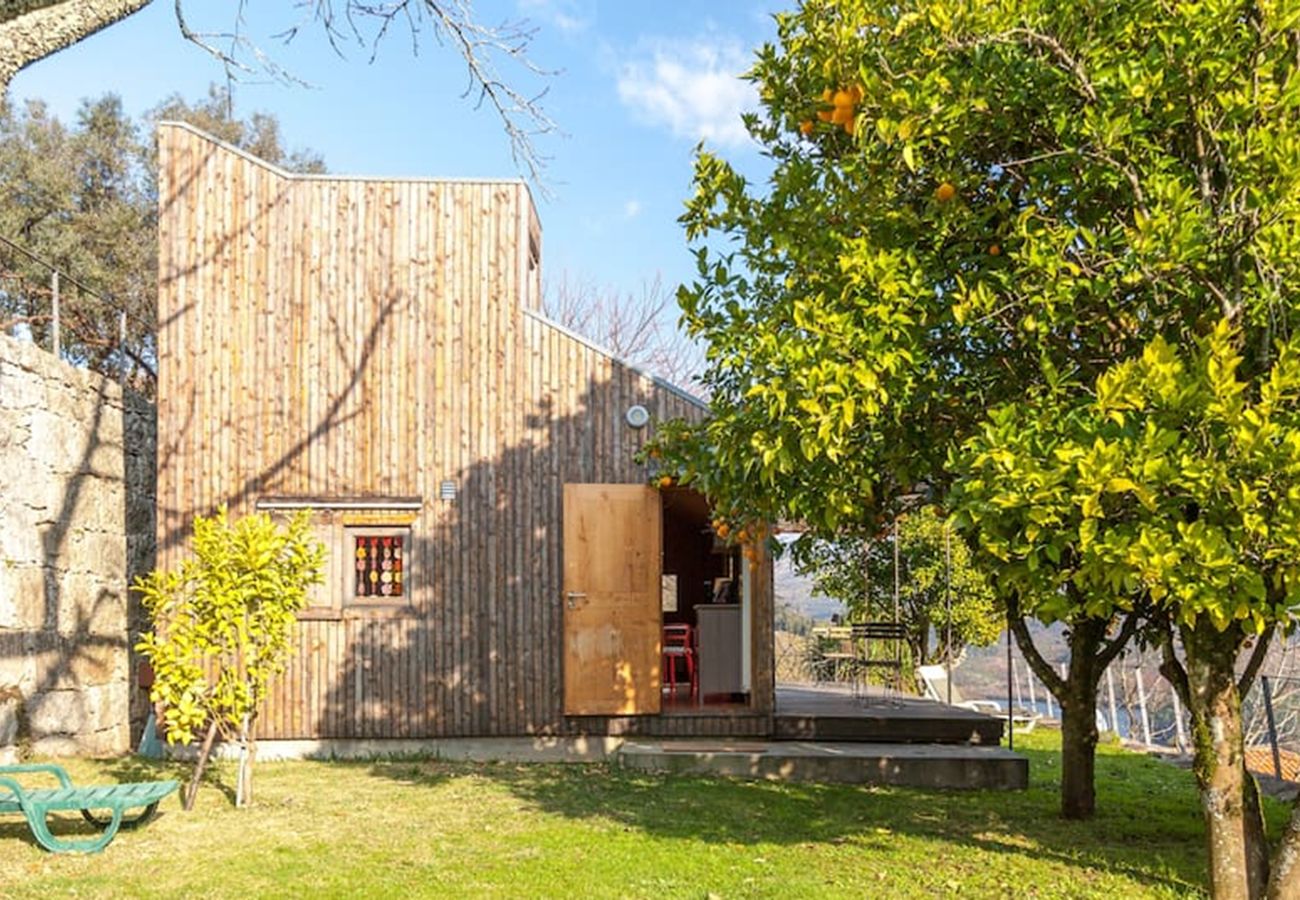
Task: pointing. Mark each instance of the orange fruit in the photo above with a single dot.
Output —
(723, 530)
(995, 250)
(806, 127)
(945, 192)
(825, 113)
(743, 536)
(666, 481)
(850, 126)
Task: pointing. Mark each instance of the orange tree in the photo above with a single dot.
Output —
(1027, 193)
(1174, 484)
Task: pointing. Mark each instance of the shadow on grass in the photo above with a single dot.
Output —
(70, 824)
(219, 775)
(1148, 828)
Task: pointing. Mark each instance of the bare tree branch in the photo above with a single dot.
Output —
(1257, 657)
(32, 30)
(636, 328)
(483, 48)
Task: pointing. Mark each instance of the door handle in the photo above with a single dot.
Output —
(570, 596)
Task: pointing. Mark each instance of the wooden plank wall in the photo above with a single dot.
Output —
(326, 336)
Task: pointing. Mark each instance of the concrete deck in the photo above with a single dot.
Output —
(948, 767)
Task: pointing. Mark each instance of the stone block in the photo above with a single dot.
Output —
(18, 659)
(104, 742)
(90, 604)
(101, 552)
(57, 712)
(20, 389)
(20, 538)
(86, 664)
(22, 596)
(56, 745)
(11, 707)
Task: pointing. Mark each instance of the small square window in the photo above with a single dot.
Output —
(379, 564)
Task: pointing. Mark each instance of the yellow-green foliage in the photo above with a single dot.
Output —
(223, 619)
(1178, 481)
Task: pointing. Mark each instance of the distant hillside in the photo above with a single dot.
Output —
(797, 591)
(983, 671)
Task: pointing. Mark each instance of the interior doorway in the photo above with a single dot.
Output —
(706, 611)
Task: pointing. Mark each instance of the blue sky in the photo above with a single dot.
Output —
(636, 86)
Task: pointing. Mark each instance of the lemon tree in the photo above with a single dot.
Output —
(223, 623)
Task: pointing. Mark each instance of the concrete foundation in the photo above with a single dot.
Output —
(946, 767)
(520, 749)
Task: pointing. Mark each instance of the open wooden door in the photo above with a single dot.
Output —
(612, 539)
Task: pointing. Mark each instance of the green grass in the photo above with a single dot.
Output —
(434, 829)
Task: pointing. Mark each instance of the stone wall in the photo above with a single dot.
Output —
(76, 524)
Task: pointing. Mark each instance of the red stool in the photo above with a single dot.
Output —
(679, 643)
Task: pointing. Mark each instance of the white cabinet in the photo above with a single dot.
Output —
(720, 648)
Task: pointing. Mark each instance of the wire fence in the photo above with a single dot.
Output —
(44, 304)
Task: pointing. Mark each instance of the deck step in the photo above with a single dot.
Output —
(942, 727)
(941, 766)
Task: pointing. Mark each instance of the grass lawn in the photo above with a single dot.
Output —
(414, 828)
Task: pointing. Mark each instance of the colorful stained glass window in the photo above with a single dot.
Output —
(379, 565)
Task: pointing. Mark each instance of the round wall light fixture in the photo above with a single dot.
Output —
(638, 416)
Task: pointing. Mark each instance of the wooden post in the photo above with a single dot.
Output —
(1011, 732)
(1110, 689)
(898, 649)
(947, 604)
(1272, 724)
(1015, 680)
(1142, 707)
(56, 339)
(1179, 736)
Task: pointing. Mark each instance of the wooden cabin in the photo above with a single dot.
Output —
(498, 563)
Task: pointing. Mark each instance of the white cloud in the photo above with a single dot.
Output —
(562, 14)
(692, 87)
(631, 209)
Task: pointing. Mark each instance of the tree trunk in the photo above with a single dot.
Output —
(200, 764)
(1078, 750)
(246, 760)
(46, 28)
(1218, 761)
(1284, 881)
(1256, 839)
(1077, 696)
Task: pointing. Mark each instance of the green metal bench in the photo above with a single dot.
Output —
(92, 802)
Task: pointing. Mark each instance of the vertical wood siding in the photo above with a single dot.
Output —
(333, 337)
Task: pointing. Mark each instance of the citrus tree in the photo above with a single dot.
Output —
(223, 622)
(968, 201)
(935, 574)
(1176, 484)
